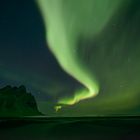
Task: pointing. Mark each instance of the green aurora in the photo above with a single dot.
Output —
(77, 21)
(97, 43)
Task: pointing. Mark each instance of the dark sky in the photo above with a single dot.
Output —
(113, 56)
(24, 56)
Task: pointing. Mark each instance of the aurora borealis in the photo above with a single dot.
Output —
(92, 64)
(74, 20)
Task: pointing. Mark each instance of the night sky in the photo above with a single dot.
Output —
(24, 57)
(81, 55)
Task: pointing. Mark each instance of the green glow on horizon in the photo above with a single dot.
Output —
(65, 22)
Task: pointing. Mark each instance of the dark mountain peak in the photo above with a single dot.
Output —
(15, 101)
(22, 88)
(8, 87)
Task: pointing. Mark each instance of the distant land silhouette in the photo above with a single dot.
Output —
(17, 102)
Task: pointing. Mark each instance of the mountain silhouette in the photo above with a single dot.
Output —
(16, 102)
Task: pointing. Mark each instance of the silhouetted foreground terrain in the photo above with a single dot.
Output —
(78, 128)
(17, 102)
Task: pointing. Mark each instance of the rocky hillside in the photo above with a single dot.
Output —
(16, 102)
